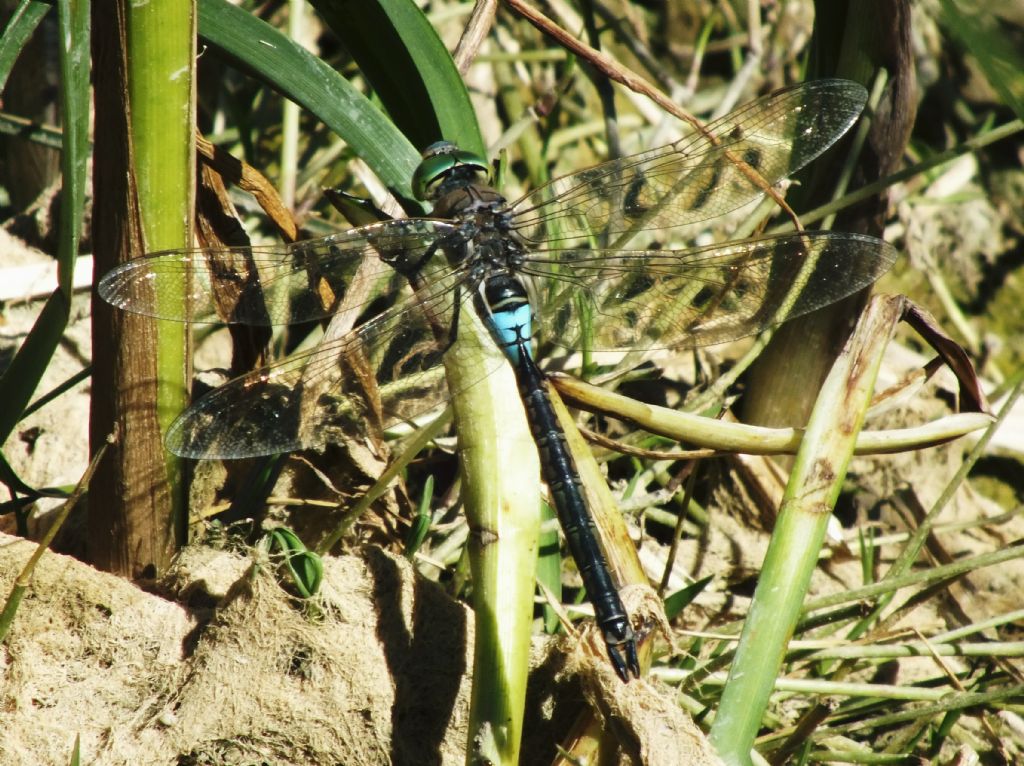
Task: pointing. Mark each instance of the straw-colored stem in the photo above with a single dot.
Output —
(727, 436)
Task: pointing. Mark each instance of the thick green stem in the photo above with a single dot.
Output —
(813, 488)
(501, 489)
(144, 175)
(161, 53)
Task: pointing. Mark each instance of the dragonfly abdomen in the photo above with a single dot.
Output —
(508, 311)
(559, 471)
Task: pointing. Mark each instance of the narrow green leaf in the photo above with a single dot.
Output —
(84, 374)
(549, 566)
(409, 67)
(10, 609)
(997, 55)
(296, 74)
(19, 381)
(75, 96)
(676, 602)
(10, 479)
(421, 522)
(19, 29)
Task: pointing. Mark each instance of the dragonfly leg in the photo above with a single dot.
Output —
(411, 271)
(453, 328)
(455, 243)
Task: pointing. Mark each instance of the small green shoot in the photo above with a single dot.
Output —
(421, 522)
(300, 569)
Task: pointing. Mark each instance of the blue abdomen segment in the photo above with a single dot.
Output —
(512, 328)
(509, 314)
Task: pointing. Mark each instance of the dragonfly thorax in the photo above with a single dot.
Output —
(469, 200)
(455, 181)
(487, 241)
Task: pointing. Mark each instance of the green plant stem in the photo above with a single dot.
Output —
(951, 702)
(20, 379)
(501, 488)
(890, 585)
(700, 431)
(815, 482)
(811, 686)
(161, 54)
(24, 578)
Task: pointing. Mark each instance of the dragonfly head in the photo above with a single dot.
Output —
(444, 167)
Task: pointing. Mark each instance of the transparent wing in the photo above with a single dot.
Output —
(383, 372)
(627, 300)
(698, 177)
(284, 284)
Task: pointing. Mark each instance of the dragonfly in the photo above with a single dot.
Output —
(560, 264)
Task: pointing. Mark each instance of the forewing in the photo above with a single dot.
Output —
(262, 285)
(383, 372)
(696, 178)
(636, 300)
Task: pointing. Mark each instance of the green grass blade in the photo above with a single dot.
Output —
(74, 70)
(676, 602)
(978, 30)
(19, 381)
(10, 479)
(409, 67)
(549, 567)
(24, 578)
(59, 390)
(19, 29)
(421, 521)
(271, 57)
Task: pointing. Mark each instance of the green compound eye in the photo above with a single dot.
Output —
(439, 160)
